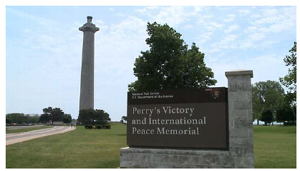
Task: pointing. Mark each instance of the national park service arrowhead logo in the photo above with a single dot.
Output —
(215, 93)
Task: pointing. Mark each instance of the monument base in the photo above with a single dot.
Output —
(177, 158)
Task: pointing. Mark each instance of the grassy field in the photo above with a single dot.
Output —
(81, 148)
(274, 146)
(27, 129)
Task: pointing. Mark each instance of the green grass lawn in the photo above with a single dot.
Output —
(274, 147)
(27, 129)
(81, 148)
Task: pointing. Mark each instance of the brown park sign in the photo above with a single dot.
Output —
(183, 118)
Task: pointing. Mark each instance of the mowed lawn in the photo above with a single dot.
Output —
(274, 147)
(81, 148)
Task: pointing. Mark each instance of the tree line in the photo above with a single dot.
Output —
(21, 118)
(270, 102)
(49, 115)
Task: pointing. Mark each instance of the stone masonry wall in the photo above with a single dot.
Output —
(240, 118)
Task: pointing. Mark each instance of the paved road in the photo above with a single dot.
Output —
(25, 136)
(22, 127)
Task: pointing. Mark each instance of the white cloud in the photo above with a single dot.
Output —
(202, 18)
(172, 15)
(188, 26)
(250, 29)
(148, 11)
(229, 17)
(203, 38)
(118, 46)
(269, 12)
(39, 20)
(273, 20)
(267, 20)
(244, 11)
(269, 24)
(267, 43)
(142, 11)
(227, 42)
(258, 40)
(198, 8)
(152, 7)
(227, 39)
(120, 14)
(255, 16)
(261, 66)
(98, 22)
(256, 37)
(232, 28)
(212, 26)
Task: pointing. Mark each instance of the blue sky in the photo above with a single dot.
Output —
(44, 46)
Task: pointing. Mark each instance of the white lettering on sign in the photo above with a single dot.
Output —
(142, 131)
(165, 110)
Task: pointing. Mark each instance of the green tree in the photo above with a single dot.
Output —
(93, 117)
(8, 121)
(44, 118)
(67, 118)
(18, 118)
(169, 64)
(21, 118)
(124, 118)
(31, 118)
(290, 80)
(267, 116)
(266, 96)
(257, 104)
(285, 111)
(47, 115)
(55, 114)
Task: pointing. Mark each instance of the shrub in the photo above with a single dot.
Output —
(88, 127)
(102, 126)
(289, 123)
(93, 117)
(107, 126)
(99, 127)
(267, 116)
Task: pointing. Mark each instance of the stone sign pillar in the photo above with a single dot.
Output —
(240, 117)
(87, 68)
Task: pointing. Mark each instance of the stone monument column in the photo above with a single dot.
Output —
(240, 118)
(87, 68)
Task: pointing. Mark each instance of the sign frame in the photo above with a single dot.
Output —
(130, 101)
